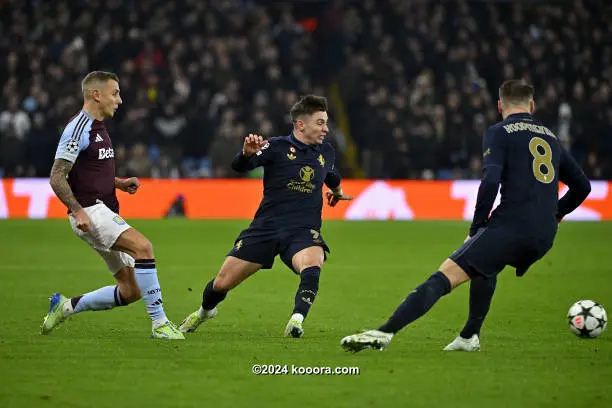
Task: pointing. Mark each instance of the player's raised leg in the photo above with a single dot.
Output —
(232, 273)
(308, 262)
(417, 303)
(481, 294)
(140, 248)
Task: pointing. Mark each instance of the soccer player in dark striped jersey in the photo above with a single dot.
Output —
(527, 159)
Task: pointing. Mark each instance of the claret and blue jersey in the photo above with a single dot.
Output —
(85, 143)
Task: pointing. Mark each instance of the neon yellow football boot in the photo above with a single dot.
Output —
(55, 315)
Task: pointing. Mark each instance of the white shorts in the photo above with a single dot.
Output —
(106, 227)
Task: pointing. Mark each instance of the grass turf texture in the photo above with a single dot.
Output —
(105, 359)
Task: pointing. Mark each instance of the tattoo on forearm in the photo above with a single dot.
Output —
(60, 185)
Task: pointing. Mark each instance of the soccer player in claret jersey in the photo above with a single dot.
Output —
(83, 178)
(529, 161)
(288, 220)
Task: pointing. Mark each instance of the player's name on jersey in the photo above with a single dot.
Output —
(521, 126)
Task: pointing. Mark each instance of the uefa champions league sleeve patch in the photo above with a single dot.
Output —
(72, 146)
(118, 220)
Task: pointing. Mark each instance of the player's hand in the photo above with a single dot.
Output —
(129, 185)
(333, 198)
(82, 220)
(253, 144)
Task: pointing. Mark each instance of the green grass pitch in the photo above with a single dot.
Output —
(529, 358)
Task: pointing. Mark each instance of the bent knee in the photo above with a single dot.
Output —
(454, 273)
(144, 249)
(312, 264)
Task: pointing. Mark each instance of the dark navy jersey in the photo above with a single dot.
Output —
(529, 161)
(294, 174)
(86, 143)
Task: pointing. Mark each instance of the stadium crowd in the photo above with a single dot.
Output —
(415, 82)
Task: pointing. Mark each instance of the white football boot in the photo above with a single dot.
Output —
(461, 344)
(369, 339)
(294, 326)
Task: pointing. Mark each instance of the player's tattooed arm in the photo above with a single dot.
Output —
(59, 184)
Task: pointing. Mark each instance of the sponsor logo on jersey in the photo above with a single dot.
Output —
(304, 185)
(106, 153)
(99, 138)
(306, 173)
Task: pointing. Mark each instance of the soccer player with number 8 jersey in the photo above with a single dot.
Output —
(528, 160)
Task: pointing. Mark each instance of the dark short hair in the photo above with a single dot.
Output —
(98, 76)
(307, 105)
(516, 91)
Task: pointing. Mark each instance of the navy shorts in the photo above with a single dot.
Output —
(261, 246)
(493, 248)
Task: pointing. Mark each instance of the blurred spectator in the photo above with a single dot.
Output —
(446, 61)
(224, 147)
(14, 126)
(139, 163)
(416, 81)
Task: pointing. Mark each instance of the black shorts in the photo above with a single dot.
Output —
(261, 246)
(493, 248)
